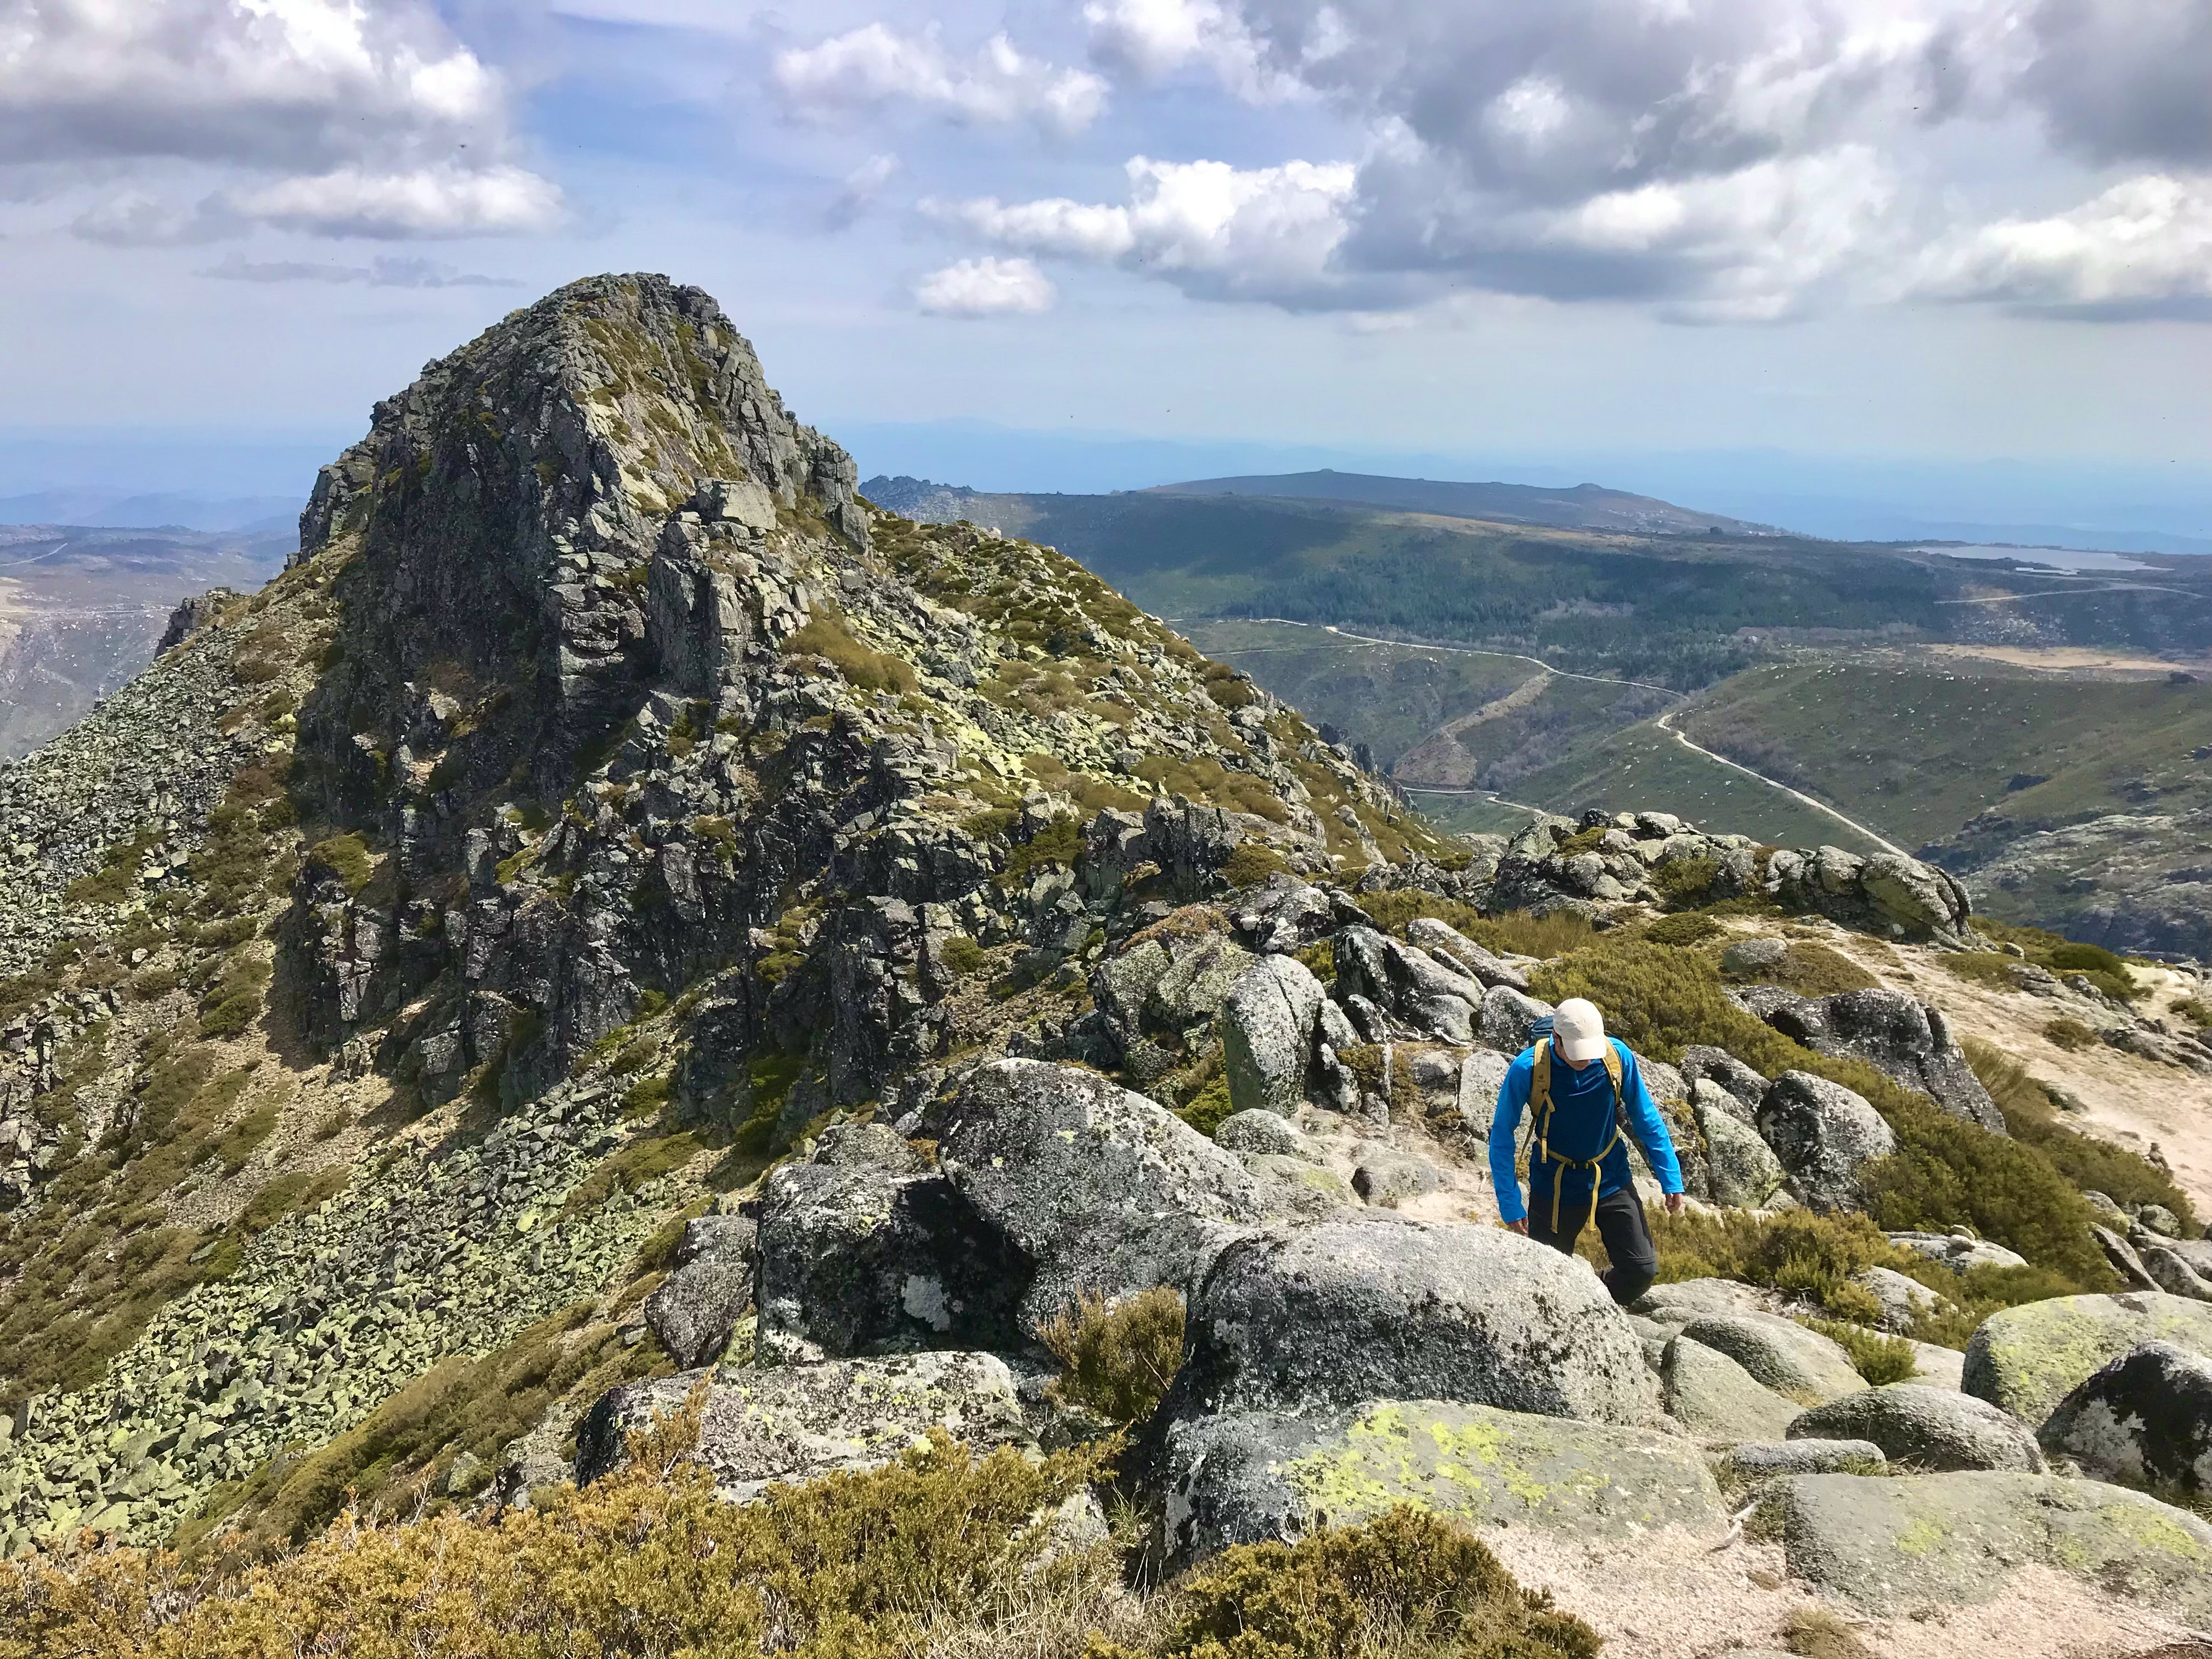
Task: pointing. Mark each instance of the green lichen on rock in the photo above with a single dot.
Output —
(2027, 1359)
(1583, 1478)
(1886, 1544)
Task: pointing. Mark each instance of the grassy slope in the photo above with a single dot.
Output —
(1643, 768)
(1391, 696)
(1916, 750)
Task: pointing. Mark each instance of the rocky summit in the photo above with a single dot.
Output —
(623, 926)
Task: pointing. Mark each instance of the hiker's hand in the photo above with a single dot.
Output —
(1674, 1204)
(1520, 1227)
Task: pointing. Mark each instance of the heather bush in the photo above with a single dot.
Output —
(1116, 1362)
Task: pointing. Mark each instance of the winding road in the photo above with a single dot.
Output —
(1661, 723)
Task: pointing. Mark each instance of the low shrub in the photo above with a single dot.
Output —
(1879, 1358)
(1408, 1584)
(1392, 910)
(2071, 1033)
(2196, 1011)
(1250, 863)
(882, 1565)
(1686, 929)
(962, 957)
(1058, 843)
(1117, 1361)
(825, 635)
(1683, 883)
(344, 857)
(1792, 1251)
(1522, 932)
(1815, 970)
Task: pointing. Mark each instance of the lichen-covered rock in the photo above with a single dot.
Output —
(1714, 1397)
(1096, 1188)
(1903, 1301)
(2143, 1420)
(1386, 1176)
(1685, 1299)
(1702, 1062)
(1447, 944)
(2027, 1359)
(692, 1311)
(1509, 1018)
(1268, 1023)
(1898, 1034)
(1825, 1135)
(1959, 1251)
(1788, 1358)
(1889, 1543)
(1261, 1131)
(1243, 1477)
(760, 1426)
(1481, 1076)
(1928, 1428)
(1767, 1459)
(1742, 1170)
(858, 1258)
(1376, 1306)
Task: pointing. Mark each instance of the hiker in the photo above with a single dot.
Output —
(1582, 1088)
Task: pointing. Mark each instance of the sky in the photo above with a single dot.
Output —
(1940, 260)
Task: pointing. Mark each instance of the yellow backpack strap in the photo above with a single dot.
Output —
(1540, 1096)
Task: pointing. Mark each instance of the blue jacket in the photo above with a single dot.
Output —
(1582, 1123)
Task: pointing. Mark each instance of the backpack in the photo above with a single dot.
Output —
(1540, 1116)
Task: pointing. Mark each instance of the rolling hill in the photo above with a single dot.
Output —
(1910, 696)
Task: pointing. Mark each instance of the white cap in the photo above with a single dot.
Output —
(1578, 1029)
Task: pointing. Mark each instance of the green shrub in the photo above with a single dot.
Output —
(1392, 910)
(1250, 863)
(1521, 933)
(288, 1195)
(1879, 1360)
(2075, 958)
(1057, 843)
(1117, 1361)
(345, 857)
(1795, 1251)
(825, 635)
(237, 1145)
(1989, 967)
(2071, 1033)
(962, 957)
(1209, 1105)
(1684, 884)
(1686, 929)
(2196, 1011)
(1815, 970)
(1946, 1172)
(2091, 1164)
(1408, 1584)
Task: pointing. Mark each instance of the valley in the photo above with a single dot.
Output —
(2031, 718)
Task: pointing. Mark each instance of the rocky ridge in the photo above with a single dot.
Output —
(622, 909)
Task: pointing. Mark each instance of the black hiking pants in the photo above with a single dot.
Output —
(1627, 1238)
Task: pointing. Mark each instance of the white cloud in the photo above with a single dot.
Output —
(2141, 248)
(1151, 39)
(289, 90)
(872, 67)
(986, 288)
(1212, 229)
(429, 202)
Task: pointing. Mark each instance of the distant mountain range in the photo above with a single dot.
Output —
(1585, 506)
(110, 508)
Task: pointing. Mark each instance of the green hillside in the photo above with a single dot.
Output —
(1916, 749)
(1641, 767)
